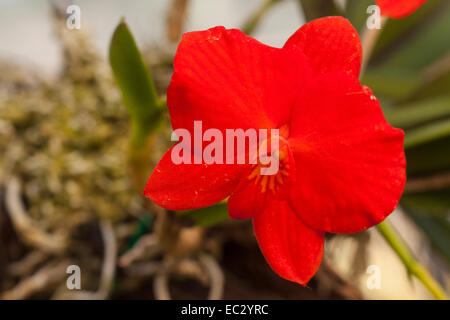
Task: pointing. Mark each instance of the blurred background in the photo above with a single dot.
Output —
(70, 184)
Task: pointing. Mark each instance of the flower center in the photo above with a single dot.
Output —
(275, 163)
(273, 182)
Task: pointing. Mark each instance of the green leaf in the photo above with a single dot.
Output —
(435, 203)
(397, 31)
(428, 133)
(356, 12)
(437, 229)
(417, 113)
(406, 49)
(427, 44)
(209, 216)
(427, 148)
(430, 157)
(134, 80)
(437, 86)
(392, 83)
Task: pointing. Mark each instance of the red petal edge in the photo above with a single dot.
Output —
(190, 186)
(330, 44)
(398, 8)
(293, 250)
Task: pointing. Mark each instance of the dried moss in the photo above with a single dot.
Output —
(67, 139)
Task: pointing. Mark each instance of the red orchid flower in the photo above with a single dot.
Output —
(342, 166)
(398, 8)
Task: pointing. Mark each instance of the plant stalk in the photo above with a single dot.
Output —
(411, 264)
(369, 40)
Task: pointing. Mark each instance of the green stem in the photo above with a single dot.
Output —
(255, 19)
(411, 264)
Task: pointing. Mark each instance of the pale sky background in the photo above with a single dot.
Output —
(26, 34)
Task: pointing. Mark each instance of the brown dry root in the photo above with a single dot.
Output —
(27, 228)
(146, 248)
(177, 239)
(183, 255)
(108, 269)
(27, 264)
(329, 280)
(194, 268)
(45, 279)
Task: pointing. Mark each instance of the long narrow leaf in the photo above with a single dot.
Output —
(135, 82)
(428, 133)
(414, 114)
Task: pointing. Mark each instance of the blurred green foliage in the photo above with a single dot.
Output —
(135, 82)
